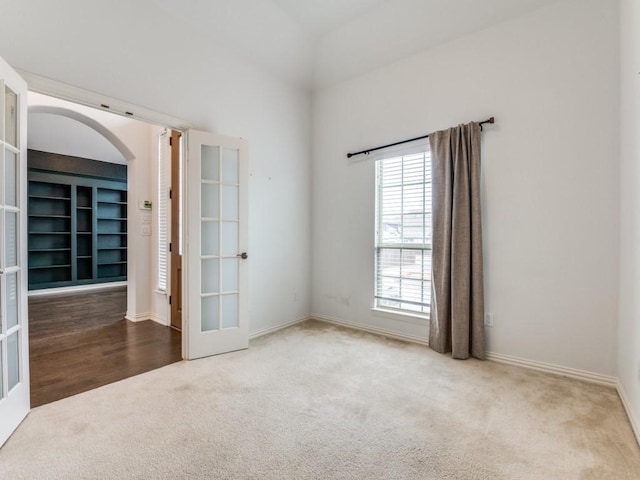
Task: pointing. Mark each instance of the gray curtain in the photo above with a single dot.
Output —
(457, 292)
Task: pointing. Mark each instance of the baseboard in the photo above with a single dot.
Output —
(371, 329)
(141, 317)
(76, 289)
(633, 419)
(158, 319)
(555, 369)
(137, 317)
(280, 326)
(496, 357)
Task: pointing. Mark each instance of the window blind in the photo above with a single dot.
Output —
(403, 232)
(164, 164)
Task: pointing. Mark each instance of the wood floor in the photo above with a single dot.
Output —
(82, 341)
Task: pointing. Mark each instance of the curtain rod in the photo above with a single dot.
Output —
(369, 150)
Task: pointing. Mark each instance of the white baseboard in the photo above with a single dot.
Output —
(266, 331)
(371, 329)
(137, 317)
(496, 357)
(555, 369)
(77, 289)
(633, 419)
(141, 317)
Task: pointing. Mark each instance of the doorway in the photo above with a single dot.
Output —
(109, 318)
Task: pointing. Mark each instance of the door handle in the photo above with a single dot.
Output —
(243, 255)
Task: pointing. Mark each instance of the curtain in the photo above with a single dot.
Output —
(457, 292)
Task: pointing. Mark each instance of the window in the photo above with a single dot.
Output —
(163, 209)
(403, 232)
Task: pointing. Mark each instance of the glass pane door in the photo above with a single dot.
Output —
(219, 244)
(14, 364)
(216, 261)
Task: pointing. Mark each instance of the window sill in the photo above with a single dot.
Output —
(401, 316)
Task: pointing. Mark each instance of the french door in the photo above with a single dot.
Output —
(14, 339)
(215, 276)
(216, 241)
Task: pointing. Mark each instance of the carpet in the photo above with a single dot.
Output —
(316, 401)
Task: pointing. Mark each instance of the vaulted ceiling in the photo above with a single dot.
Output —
(319, 42)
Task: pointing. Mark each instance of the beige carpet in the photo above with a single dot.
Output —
(318, 402)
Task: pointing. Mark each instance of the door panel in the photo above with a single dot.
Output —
(216, 265)
(176, 232)
(14, 352)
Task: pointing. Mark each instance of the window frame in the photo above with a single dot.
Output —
(400, 312)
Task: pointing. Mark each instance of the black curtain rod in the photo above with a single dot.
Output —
(369, 150)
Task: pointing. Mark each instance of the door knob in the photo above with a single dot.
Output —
(243, 255)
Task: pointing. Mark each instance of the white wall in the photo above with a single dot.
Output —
(150, 58)
(57, 134)
(550, 177)
(629, 322)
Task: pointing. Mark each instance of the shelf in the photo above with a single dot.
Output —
(41, 250)
(63, 241)
(45, 197)
(38, 267)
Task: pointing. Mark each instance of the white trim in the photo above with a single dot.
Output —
(591, 377)
(626, 403)
(400, 316)
(575, 373)
(138, 317)
(158, 319)
(54, 88)
(141, 317)
(266, 331)
(77, 289)
(370, 329)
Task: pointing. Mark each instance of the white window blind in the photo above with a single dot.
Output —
(403, 232)
(164, 157)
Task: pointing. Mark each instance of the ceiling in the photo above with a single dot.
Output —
(320, 17)
(316, 43)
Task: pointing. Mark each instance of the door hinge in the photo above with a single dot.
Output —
(169, 246)
(170, 192)
(169, 299)
(170, 141)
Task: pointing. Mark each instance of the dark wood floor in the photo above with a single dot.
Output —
(79, 342)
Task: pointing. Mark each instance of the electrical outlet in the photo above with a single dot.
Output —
(488, 319)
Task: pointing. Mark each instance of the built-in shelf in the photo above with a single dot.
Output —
(77, 230)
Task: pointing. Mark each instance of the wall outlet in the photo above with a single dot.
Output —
(488, 319)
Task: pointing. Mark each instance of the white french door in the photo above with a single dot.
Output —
(216, 257)
(14, 338)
